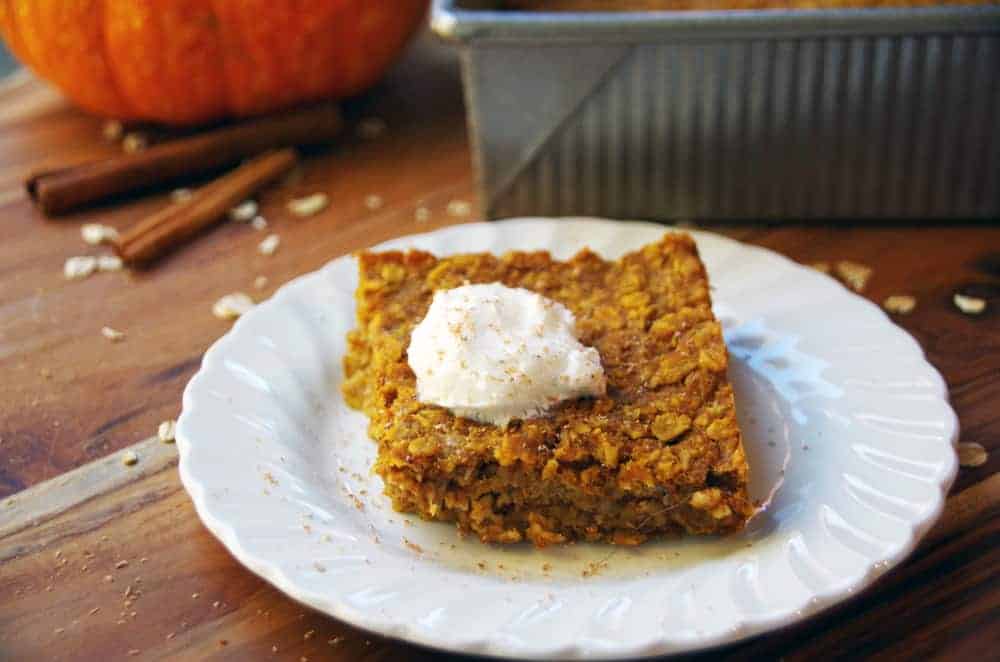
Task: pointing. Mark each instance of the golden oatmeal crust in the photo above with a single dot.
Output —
(661, 453)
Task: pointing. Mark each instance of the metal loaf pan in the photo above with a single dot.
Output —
(848, 113)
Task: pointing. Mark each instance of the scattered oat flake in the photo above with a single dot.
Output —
(371, 128)
(309, 205)
(60, 630)
(244, 212)
(215, 605)
(413, 546)
(121, 564)
(274, 649)
(171, 635)
(112, 130)
(95, 233)
(94, 611)
(134, 142)
(114, 335)
(309, 634)
(373, 202)
(822, 267)
(422, 214)
(109, 578)
(900, 304)
(134, 651)
(194, 596)
(259, 223)
(971, 454)
(232, 306)
(969, 305)
(459, 208)
(853, 274)
(181, 194)
(166, 431)
(260, 282)
(334, 641)
(109, 263)
(79, 266)
(269, 245)
(129, 458)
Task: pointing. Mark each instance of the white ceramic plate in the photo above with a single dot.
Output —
(847, 427)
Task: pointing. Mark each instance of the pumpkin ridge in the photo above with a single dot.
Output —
(124, 104)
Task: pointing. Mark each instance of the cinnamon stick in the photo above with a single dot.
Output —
(179, 222)
(63, 190)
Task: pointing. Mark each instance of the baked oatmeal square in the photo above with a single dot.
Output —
(660, 453)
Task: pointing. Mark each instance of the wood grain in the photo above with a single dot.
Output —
(69, 396)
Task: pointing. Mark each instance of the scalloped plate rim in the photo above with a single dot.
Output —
(749, 627)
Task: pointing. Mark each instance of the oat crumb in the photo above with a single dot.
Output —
(412, 546)
(112, 130)
(215, 605)
(459, 208)
(93, 611)
(109, 578)
(900, 304)
(969, 305)
(232, 306)
(134, 142)
(134, 651)
(259, 223)
(80, 266)
(166, 431)
(853, 274)
(114, 335)
(309, 634)
(373, 202)
(822, 267)
(269, 245)
(181, 195)
(96, 233)
(171, 635)
(971, 454)
(334, 641)
(244, 212)
(422, 214)
(309, 205)
(107, 263)
(260, 282)
(194, 596)
(129, 458)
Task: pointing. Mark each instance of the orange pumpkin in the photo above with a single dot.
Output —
(187, 61)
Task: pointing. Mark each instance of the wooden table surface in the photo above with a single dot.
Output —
(70, 399)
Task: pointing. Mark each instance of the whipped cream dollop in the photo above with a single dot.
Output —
(493, 353)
